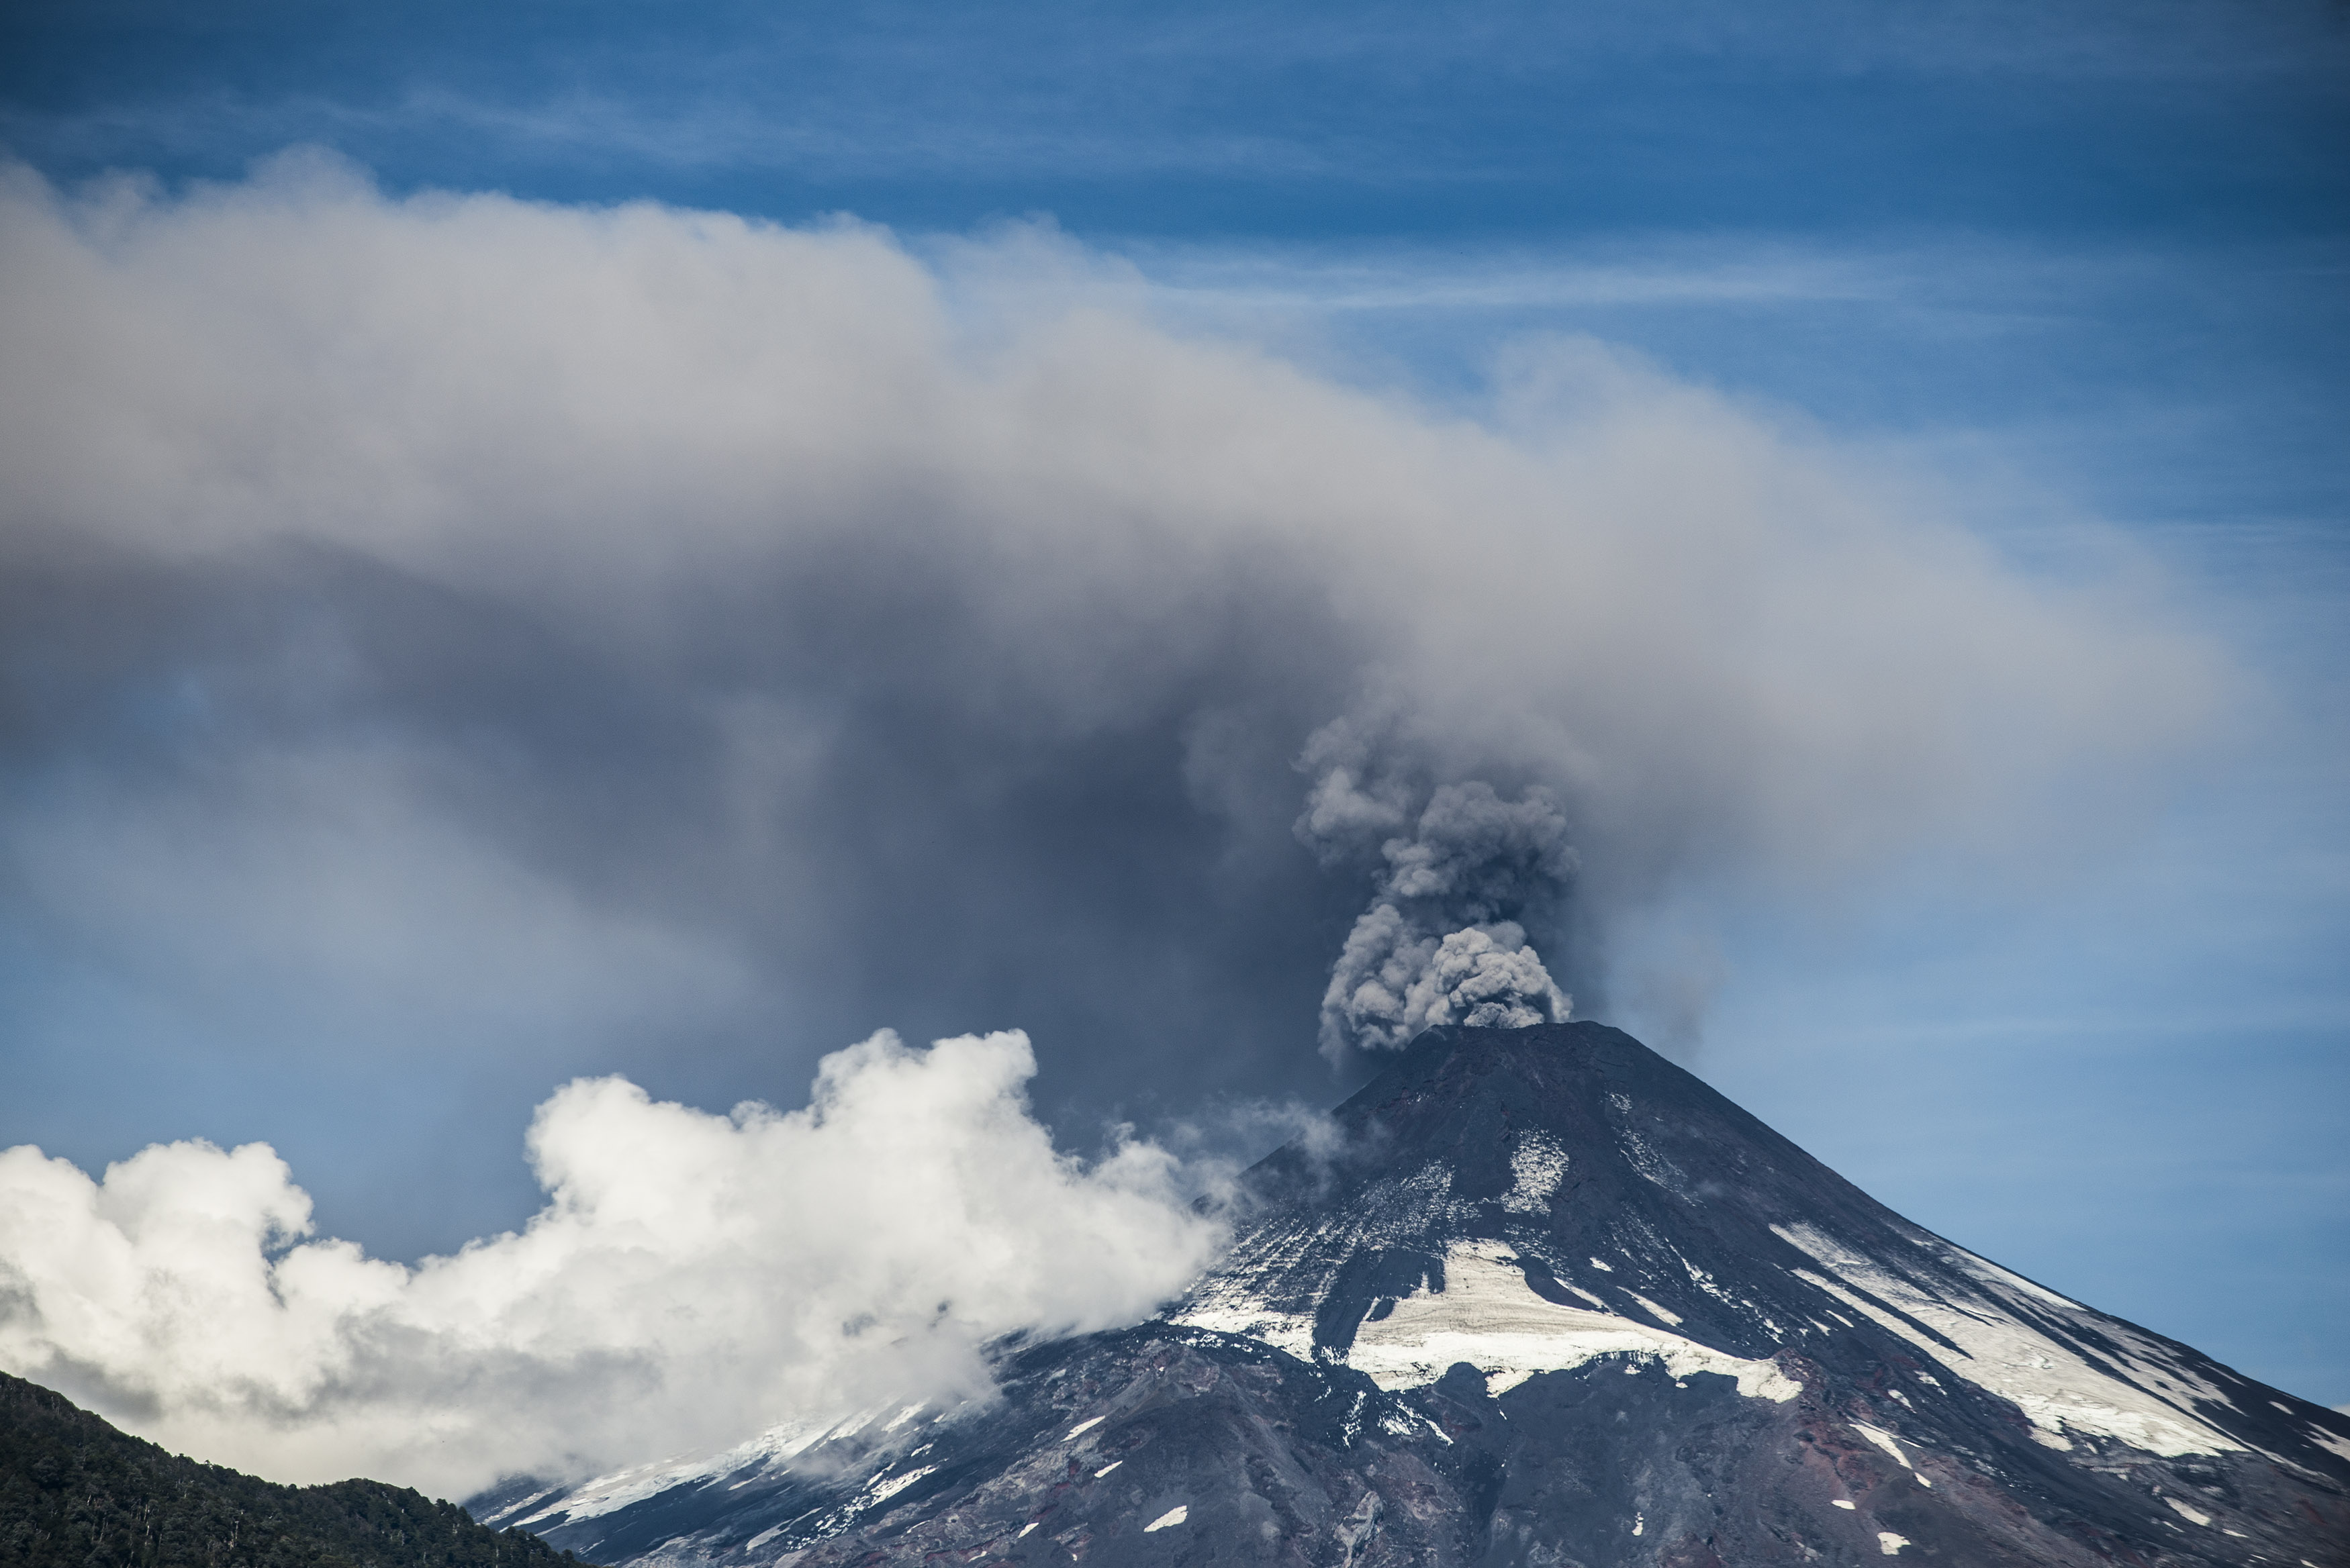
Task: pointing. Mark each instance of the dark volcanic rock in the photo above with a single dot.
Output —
(1554, 1302)
(1094, 1441)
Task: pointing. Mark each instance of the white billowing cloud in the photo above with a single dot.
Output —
(692, 1279)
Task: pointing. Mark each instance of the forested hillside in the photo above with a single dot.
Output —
(75, 1491)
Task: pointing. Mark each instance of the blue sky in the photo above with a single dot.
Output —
(2073, 274)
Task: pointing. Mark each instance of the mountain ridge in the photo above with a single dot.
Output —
(1552, 1300)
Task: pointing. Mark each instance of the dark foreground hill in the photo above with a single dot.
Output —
(76, 1493)
(1555, 1304)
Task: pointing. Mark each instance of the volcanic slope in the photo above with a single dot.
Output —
(1555, 1301)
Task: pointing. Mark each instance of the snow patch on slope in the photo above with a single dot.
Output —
(1487, 1317)
(1884, 1440)
(2144, 1400)
(1539, 1163)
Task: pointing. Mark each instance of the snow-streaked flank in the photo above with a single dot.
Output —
(1261, 1292)
(2192, 1516)
(890, 1486)
(1084, 1426)
(1231, 1309)
(1489, 1317)
(1890, 1543)
(2009, 1343)
(611, 1493)
(1173, 1516)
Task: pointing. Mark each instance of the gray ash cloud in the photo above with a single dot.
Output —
(1456, 869)
(450, 625)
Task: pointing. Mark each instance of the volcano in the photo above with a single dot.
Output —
(1553, 1300)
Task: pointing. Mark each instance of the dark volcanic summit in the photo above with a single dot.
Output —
(1551, 1301)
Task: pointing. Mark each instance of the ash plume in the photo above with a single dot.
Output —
(1456, 867)
(824, 635)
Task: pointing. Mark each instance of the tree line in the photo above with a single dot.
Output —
(76, 1493)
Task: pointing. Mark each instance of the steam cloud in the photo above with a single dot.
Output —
(451, 623)
(693, 1280)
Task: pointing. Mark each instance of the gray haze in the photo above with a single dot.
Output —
(666, 639)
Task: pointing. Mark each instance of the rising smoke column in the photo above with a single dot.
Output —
(1456, 866)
